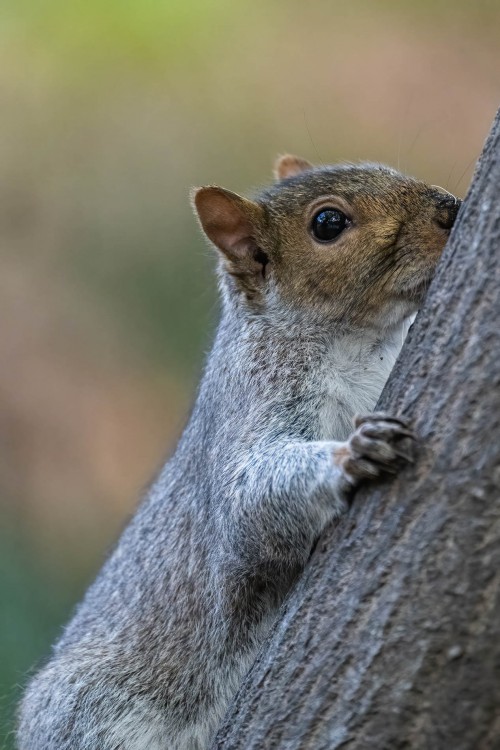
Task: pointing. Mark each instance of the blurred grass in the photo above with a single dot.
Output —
(111, 111)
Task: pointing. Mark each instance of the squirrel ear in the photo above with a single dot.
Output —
(231, 223)
(289, 165)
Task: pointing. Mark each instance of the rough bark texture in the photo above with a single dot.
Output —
(391, 639)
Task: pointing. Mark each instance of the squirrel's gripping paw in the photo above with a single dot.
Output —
(376, 446)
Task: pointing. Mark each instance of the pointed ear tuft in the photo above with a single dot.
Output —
(289, 166)
(232, 223)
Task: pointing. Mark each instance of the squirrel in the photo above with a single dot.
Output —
(318, 276)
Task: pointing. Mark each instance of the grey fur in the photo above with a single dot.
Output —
(163, 637)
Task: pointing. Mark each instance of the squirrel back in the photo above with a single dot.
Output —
(318, 276)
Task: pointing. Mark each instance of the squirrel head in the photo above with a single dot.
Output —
(356, 244)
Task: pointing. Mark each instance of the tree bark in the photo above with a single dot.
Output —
(391, 637)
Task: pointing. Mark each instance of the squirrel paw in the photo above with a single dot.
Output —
(374, 447)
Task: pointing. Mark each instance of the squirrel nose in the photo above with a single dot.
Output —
(447, 210)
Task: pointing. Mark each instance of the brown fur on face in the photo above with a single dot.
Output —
(380, 265)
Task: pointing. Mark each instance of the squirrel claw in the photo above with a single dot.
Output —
(383, 425)
(379, 416)
(405, 456)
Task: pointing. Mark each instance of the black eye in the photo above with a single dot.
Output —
(328, 224)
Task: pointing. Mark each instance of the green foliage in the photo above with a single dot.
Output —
(141, 34)
(166, 303)
(35, 601)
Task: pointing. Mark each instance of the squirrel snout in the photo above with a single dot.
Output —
(447, 210)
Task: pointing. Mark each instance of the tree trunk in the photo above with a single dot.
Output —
(391, 639)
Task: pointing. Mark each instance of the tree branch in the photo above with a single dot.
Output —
(391, 637)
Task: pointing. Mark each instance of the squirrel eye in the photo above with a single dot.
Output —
(328, 224)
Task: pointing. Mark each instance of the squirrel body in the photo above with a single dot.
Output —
(310, 329)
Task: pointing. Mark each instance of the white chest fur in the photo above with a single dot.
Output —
(352, 377)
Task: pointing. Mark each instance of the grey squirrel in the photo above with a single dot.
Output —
(318, 276)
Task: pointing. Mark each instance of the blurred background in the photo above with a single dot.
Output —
(110, 111)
